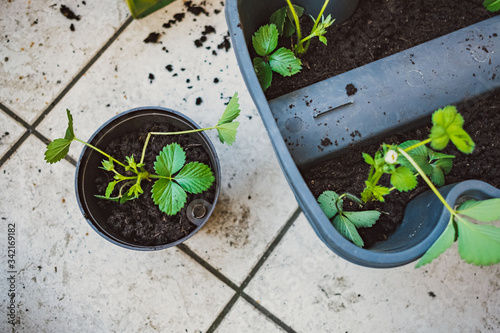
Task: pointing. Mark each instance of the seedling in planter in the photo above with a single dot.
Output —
(447, 125)
(346, 222)
(492, 5)
(478, 243)
(318, 29)
(173, 177)
(285, 22)
(282, 61)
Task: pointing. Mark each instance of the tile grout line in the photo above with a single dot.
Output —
(30, 129)
(267, 313)
(239, 290)
(184, 248)
(271, 248)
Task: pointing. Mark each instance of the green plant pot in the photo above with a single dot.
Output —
(142, 8)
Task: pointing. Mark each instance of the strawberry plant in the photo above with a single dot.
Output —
(173, 178)
(469, 224)
(285, 22)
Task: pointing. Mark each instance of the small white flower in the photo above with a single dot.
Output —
(391, 157)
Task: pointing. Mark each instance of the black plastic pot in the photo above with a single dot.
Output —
(395, 93)
(90, 160)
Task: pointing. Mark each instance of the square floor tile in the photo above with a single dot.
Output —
(41, 49)
(313, 290)
(69, 279)
(244, 318)
(255, 199)
(10, 132)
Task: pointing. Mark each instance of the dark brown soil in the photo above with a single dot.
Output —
(140, 221)
(377, 29)
(348, 173)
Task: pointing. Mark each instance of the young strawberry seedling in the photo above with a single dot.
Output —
(173, 177)
(478, 243)
(285, 22)
(346, 222)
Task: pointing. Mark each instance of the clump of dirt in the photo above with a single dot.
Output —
(152, 38)
(70, 15)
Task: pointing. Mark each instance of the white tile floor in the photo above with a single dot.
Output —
(255, 267)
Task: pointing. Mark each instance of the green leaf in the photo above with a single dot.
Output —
(492, 5)
(379, 192)
(264, 72)
(284, 62)
(108, 165)
(231, 112)
(170, 160)
(328, 203)
(478, 244)
(485, 210)
(298, 11)
(419, 154)
(437, 176)
(135, 190)
(368, 159)
(374, 192)
(169, 196)
(57, 150)
(130, 160)
(447, 125)
(444, 164)
(265, 39)
(362, 219)
(403, 179)
(434, 155)
(289, 28)
(278, 19)
(70, 135)
(347, 229)
(440, 245)
(227, 132)
(321, 28)
(195, 177)
(110, 188)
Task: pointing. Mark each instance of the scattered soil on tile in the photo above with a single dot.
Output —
(377, 29)
(69, 13)
(194, 9)
(140, 220)
(152, 38)
(348, 172)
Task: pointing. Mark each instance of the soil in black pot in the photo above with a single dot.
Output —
(348, 172)
(140, 221)
(377, 29)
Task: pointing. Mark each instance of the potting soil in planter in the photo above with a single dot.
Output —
(140, 220)
(377, 29)
(348, 172)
